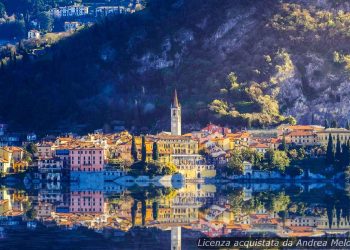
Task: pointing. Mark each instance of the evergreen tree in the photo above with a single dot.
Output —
(344, 155)
(133, 149)
(334, 124)
(326, 124)
(133, 212)
(330, 152)
(143, 212)
(338, 150)
(155, 152)
(347, 125)
(284, 146)
(143, 149)
(155, 210)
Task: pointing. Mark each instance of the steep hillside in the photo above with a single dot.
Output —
(288, 58)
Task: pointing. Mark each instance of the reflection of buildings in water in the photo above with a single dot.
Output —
(172, 210)
(86, 202)
(176, 238)
(333, 222)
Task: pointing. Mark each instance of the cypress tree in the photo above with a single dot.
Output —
(284, 144)
(133, 149)
(133, 212)
(338, 150)
(143, 212)
(143, 149)
(344, 155)
(155, 210)
(155, 152)
(334, 124)
(347, 161)
(330, 153)
(326, 124)
(347, 125)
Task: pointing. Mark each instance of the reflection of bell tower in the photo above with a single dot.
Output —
(175, 116)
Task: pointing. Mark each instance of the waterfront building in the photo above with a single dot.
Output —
(342, 133)
(87, 158)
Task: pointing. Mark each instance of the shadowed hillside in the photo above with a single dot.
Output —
(288, 58)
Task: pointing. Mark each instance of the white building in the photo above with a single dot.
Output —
(33, 34)
(111, 10)
(71, 26)
(69, 11)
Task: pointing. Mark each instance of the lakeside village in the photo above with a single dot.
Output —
(121, 184)
(295, 152)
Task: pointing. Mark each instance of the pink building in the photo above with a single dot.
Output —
(86, 202)
(86, 159)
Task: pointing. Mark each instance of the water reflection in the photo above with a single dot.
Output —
(114, 216)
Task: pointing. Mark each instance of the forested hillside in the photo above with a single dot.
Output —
(235, 62)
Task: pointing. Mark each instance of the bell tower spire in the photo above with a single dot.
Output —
(175, 115)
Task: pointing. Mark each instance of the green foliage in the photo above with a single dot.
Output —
(330, 151)
(155, 152)
(2, 10)
(143, 149)
(154, 168)
(46, 21)
(294, 18)
(155, 210)
(280, 160)
(235, 164)
(134, 149)
(247, 103)
(31, 148)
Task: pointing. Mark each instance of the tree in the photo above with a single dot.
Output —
(283, 146)
(235, 164)
(334, 124)
(45, 21)
(155, 152)
(143, 211)
(280, 160)
(133, 212)
(338, 150)
(330, 152)
(347, 125)
(301, 153)
(344, 156)
(143, 149)
(155, 210)
(31, 148)
(133, 149)
(2, 10)
(326, 124)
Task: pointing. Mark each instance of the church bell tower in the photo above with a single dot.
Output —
(175, 116)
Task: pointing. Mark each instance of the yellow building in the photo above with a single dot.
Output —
(4, 206)
(20, 166)
(323, 136)
(5, 159)
(193, 166)
(167, 145)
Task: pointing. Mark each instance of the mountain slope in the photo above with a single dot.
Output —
(126, 68)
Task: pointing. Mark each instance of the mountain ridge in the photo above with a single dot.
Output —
(126, 68)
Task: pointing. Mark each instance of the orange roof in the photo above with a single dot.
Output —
(301, 127)
(259, 145)
(238, 226)
(301, 133)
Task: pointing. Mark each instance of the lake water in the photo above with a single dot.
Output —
(112, 216)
